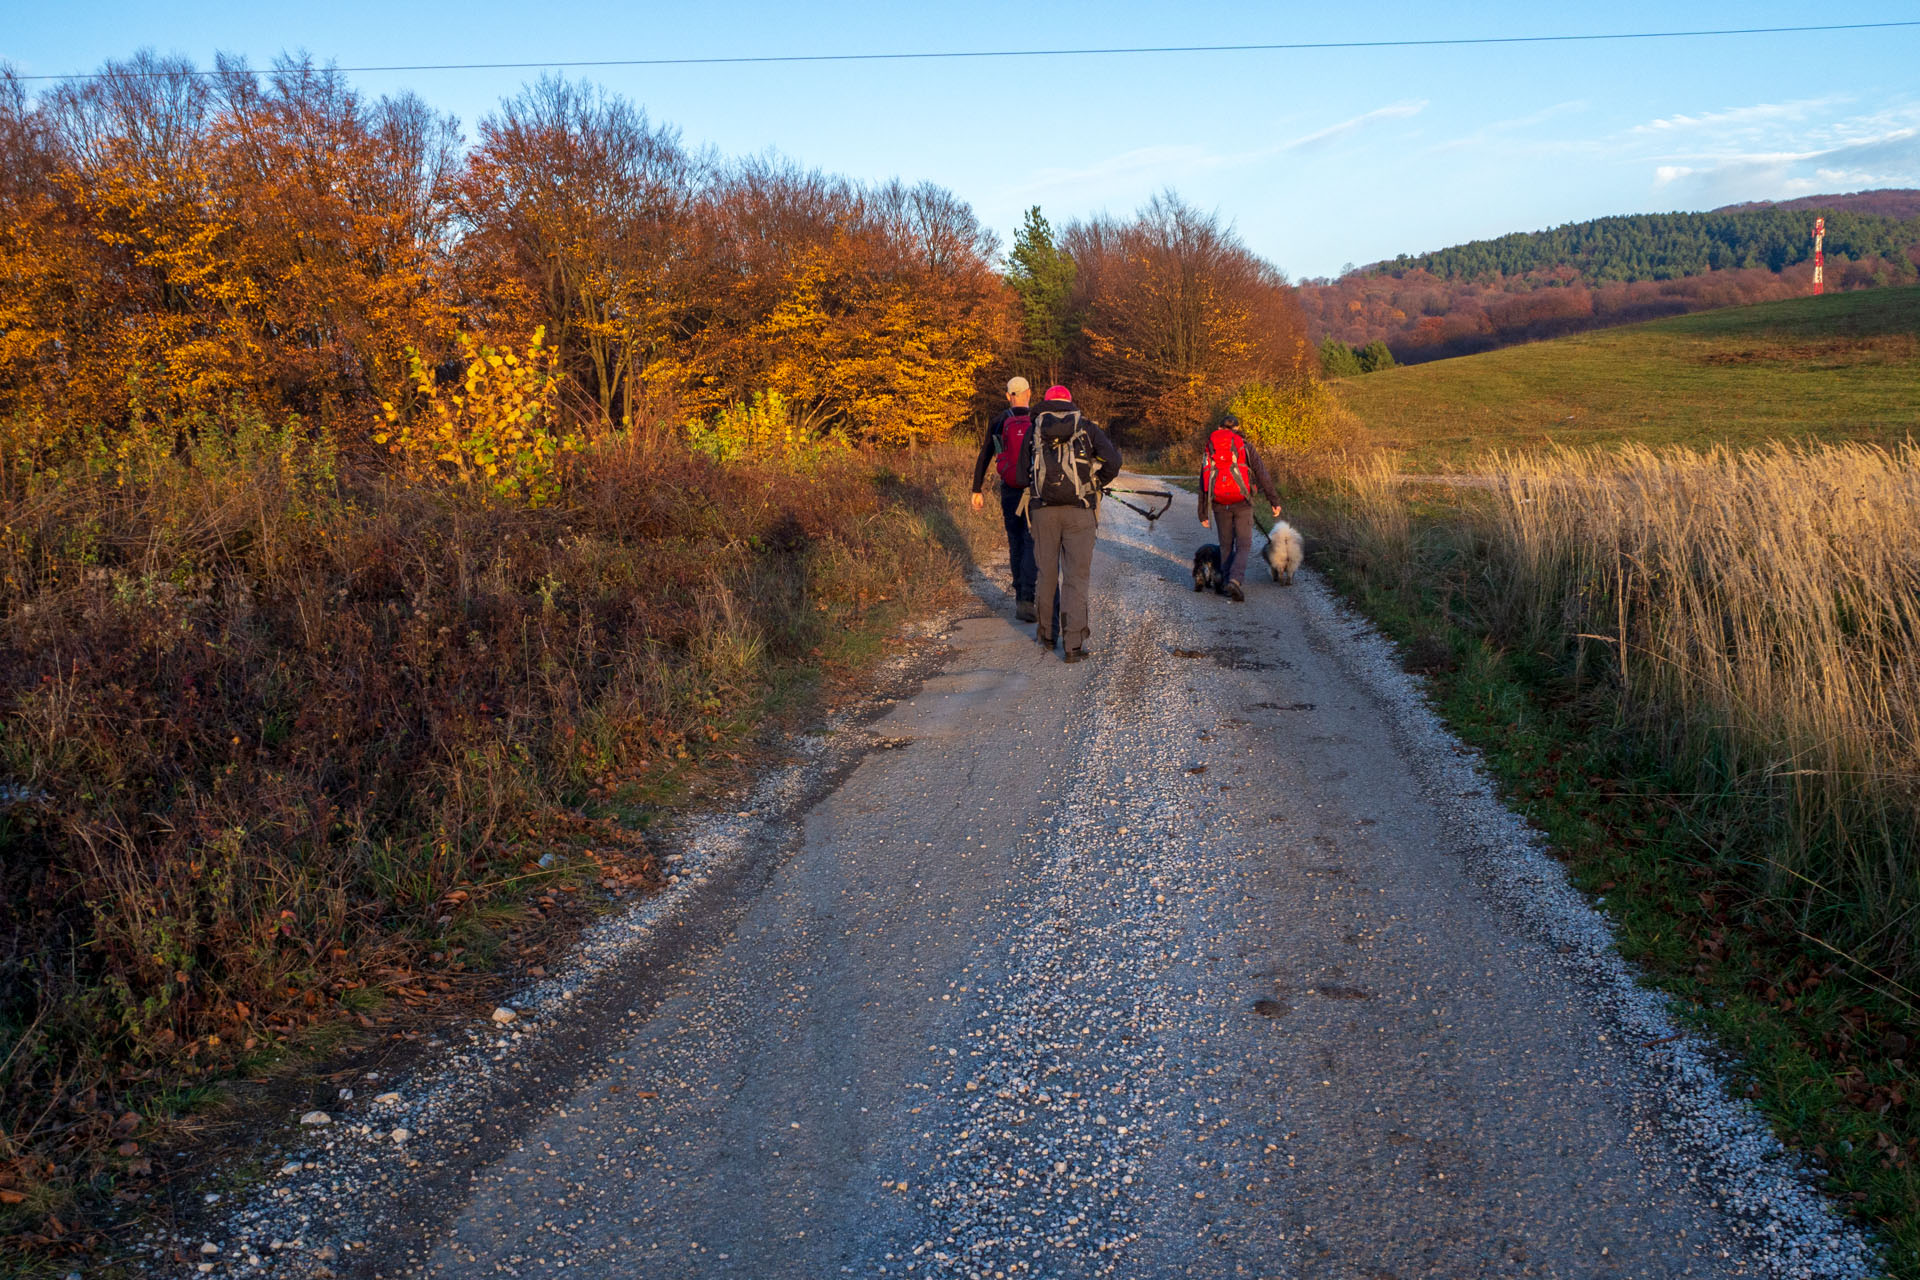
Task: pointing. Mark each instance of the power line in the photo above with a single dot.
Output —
(954, 55)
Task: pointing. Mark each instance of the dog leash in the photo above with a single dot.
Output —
(1166, 501)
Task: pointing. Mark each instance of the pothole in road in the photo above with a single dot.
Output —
(1270, 1008)
(1343, 993)
(1281, 706)
(1233, 657)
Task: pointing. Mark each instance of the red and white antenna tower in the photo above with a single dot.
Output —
(1819, 256)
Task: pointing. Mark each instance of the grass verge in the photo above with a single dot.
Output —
(1674, 844)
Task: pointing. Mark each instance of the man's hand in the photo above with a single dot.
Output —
(976, 501)
(1206, 524)
(1276, 511)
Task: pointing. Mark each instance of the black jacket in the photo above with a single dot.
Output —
(1261, 480)
(1094, 453)
(990, 444)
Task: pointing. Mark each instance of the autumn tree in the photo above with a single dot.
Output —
(134, 143)
(174, 243)
(338, 212)
(49, 289)
(574, 194)
(177, 242)
(1179, 313)
(868, 311)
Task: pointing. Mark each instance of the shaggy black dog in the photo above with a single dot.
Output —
(1206, 567)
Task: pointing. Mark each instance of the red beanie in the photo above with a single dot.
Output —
(1058, 392)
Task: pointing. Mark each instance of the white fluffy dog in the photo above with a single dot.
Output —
(1283, 552)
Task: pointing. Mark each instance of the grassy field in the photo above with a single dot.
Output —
(1845, 367)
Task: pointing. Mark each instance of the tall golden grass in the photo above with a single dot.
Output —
(1757, 612)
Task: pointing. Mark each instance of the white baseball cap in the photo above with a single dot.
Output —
(1017, 384)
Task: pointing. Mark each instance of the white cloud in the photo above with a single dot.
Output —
(1141, 161)
(1792, 155)
(1760, 113)
(1499, 128)
(1395, 111)
(1170, 162)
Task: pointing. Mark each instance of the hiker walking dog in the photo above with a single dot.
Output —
(1066, 459)
(1001, 447)
(1229, 474)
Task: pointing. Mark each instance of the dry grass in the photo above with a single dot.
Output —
(1759, 609)
(1695, 672)
(284, 736)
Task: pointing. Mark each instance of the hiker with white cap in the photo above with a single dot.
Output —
(1001, 447)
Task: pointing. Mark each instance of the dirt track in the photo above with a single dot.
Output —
(1210, 957)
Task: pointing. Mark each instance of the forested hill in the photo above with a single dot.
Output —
(1666, 246)
(1891, 202)
(1589, 275)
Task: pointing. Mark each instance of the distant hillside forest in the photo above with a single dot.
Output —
(1589, 275)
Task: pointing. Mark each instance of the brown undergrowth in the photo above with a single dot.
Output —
(286, 739)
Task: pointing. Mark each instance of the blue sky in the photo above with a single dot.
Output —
(1319, 158)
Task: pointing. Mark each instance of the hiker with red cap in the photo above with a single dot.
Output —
(1230, 471)
(1066, 460)
(1001, 447)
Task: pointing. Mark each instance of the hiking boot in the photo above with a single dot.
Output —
(1075, 655)
(1023, 611)
(1235, 593)
(1045, 642)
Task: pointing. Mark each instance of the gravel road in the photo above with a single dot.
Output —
(1211, 957)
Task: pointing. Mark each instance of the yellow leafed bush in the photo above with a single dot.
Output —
(497, 429)
(1297, 418)
(762, 430)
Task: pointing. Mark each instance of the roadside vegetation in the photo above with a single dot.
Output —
(295, 745)
(1693, 669)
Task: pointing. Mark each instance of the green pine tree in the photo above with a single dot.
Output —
(1042, 273)
(1375, 357)
(1337, 359)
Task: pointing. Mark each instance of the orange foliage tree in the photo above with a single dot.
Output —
(881, 329)
(1178, 314)
(176, 243)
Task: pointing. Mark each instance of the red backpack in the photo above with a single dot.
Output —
(1013, 434)
(1224, 475)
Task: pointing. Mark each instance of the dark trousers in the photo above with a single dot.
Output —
(1063, 549)
(1235, 524)
(1019, 543)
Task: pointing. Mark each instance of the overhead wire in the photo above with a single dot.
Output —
(1300, 46)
